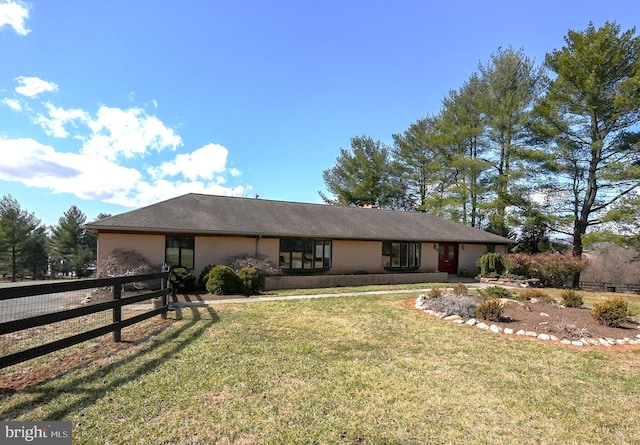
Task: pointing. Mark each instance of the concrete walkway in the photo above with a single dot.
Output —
(258, 299)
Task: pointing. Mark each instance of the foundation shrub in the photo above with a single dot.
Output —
(223, 281)
(260, 263)
(249, 280)
(571, 298)
(493, 263)
(204, 277)
(610, 312)
(181, 280)
(490, 309)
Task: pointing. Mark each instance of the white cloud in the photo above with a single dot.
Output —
(14, 13)
(54, 124)
(202, 163)
(34, 86)
(37, 165)
(127, 133)
(14, 104)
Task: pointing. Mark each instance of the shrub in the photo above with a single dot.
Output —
(451, 304)
(460, 290)
(181, 280)
(223, 281)
(249, 280)
(122, 262)
(204, 276)
(259, 263)
(571, 298)
(537, 294)
(493, 263)
(435, 292)
(610, 312)
(493, 292)
(552, 269)
(490, 309)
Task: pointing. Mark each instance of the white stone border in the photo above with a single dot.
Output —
(457, 319)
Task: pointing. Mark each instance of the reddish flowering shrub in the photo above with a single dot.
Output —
(552, 269)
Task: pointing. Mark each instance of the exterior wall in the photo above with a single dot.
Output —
(319, 281)
(151, 246)
(467, 259)
(366, 256)
(218, 249)
(348, 257)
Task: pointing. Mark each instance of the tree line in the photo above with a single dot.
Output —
(519, 148)
(28, 247)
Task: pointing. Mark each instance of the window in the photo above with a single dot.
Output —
(179, 251)
(400, 255)
(305, 254)
(490, 248)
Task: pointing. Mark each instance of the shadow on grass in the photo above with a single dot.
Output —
(79, 395)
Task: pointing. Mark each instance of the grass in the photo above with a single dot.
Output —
(352, 370)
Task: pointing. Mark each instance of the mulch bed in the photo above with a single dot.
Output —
(553, 319)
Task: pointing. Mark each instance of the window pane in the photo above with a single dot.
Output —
(418, 247)
(296, 260)
(308, 255)
(186, 258)
(305, 254)
(404, 247)
(172, 256)
(395, 254)
(386, 254)
(412, 255)
(179, 251)
(327, 254)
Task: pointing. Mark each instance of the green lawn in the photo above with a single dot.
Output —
(352, 370)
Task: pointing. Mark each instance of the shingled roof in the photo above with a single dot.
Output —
(224, 215)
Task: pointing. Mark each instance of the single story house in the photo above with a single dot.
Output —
(311, 244)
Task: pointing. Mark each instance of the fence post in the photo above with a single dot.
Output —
(165, 285)
(117, 313)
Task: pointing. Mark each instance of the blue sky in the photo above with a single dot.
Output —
(117, 104)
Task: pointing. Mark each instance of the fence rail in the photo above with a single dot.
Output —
(22, 311)
(610, 287)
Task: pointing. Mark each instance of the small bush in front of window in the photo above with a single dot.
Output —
(611, 312)
(223, 281)
(250, 280)
(181, 280)
(571, 298)
(204, 276)
(260, 263)
(490, 309)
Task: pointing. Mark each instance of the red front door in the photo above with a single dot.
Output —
(448, 258)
